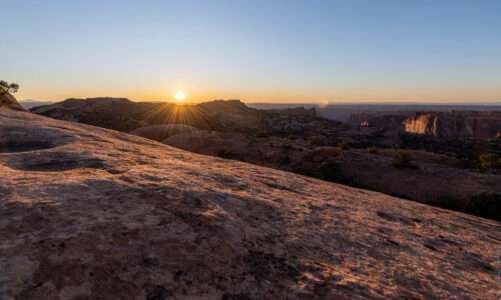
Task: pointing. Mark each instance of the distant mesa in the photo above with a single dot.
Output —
(225, 106)
(125, 115)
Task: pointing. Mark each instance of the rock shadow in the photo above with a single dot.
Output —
(25, 139)
(55, 161)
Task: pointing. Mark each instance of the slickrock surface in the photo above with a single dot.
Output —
(89, 213)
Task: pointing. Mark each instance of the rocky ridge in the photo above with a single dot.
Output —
(220, 115)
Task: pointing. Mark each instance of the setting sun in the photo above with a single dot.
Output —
(180, 96)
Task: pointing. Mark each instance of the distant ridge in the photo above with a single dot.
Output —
(29, 104)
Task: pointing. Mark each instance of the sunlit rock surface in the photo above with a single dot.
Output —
(89, 213)
(454, 125)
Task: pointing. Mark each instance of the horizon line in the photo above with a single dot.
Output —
(314, 103)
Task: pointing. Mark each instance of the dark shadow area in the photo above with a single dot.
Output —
(21, 146)
(54, 161)
(14, 139)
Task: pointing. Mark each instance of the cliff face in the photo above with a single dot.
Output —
(426, 124)
(476, 125)
(9, 101)
(90, 213)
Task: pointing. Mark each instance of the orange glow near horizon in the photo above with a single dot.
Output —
(200, 94)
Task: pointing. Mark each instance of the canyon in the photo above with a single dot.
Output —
(445, 172)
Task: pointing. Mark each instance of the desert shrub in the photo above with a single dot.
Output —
(402, 160)
(489, 161)
(260, 133)
(486, 205)
(372, 149)
(344, 145)
(316, 140)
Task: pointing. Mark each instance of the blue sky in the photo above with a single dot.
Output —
(277, 51)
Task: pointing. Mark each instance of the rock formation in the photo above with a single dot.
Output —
(455, 125)
(7, 100)
(90, 213)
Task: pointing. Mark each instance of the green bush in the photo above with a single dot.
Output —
(316, 140)
(402, 160)
(260, 133)
(344, 145)
(372, 149)
(489, 161)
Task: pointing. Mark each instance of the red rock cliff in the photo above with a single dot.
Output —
(469, 124)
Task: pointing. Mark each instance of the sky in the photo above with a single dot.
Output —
(258, 51)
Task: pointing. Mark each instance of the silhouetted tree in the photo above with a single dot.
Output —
(6, 87)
